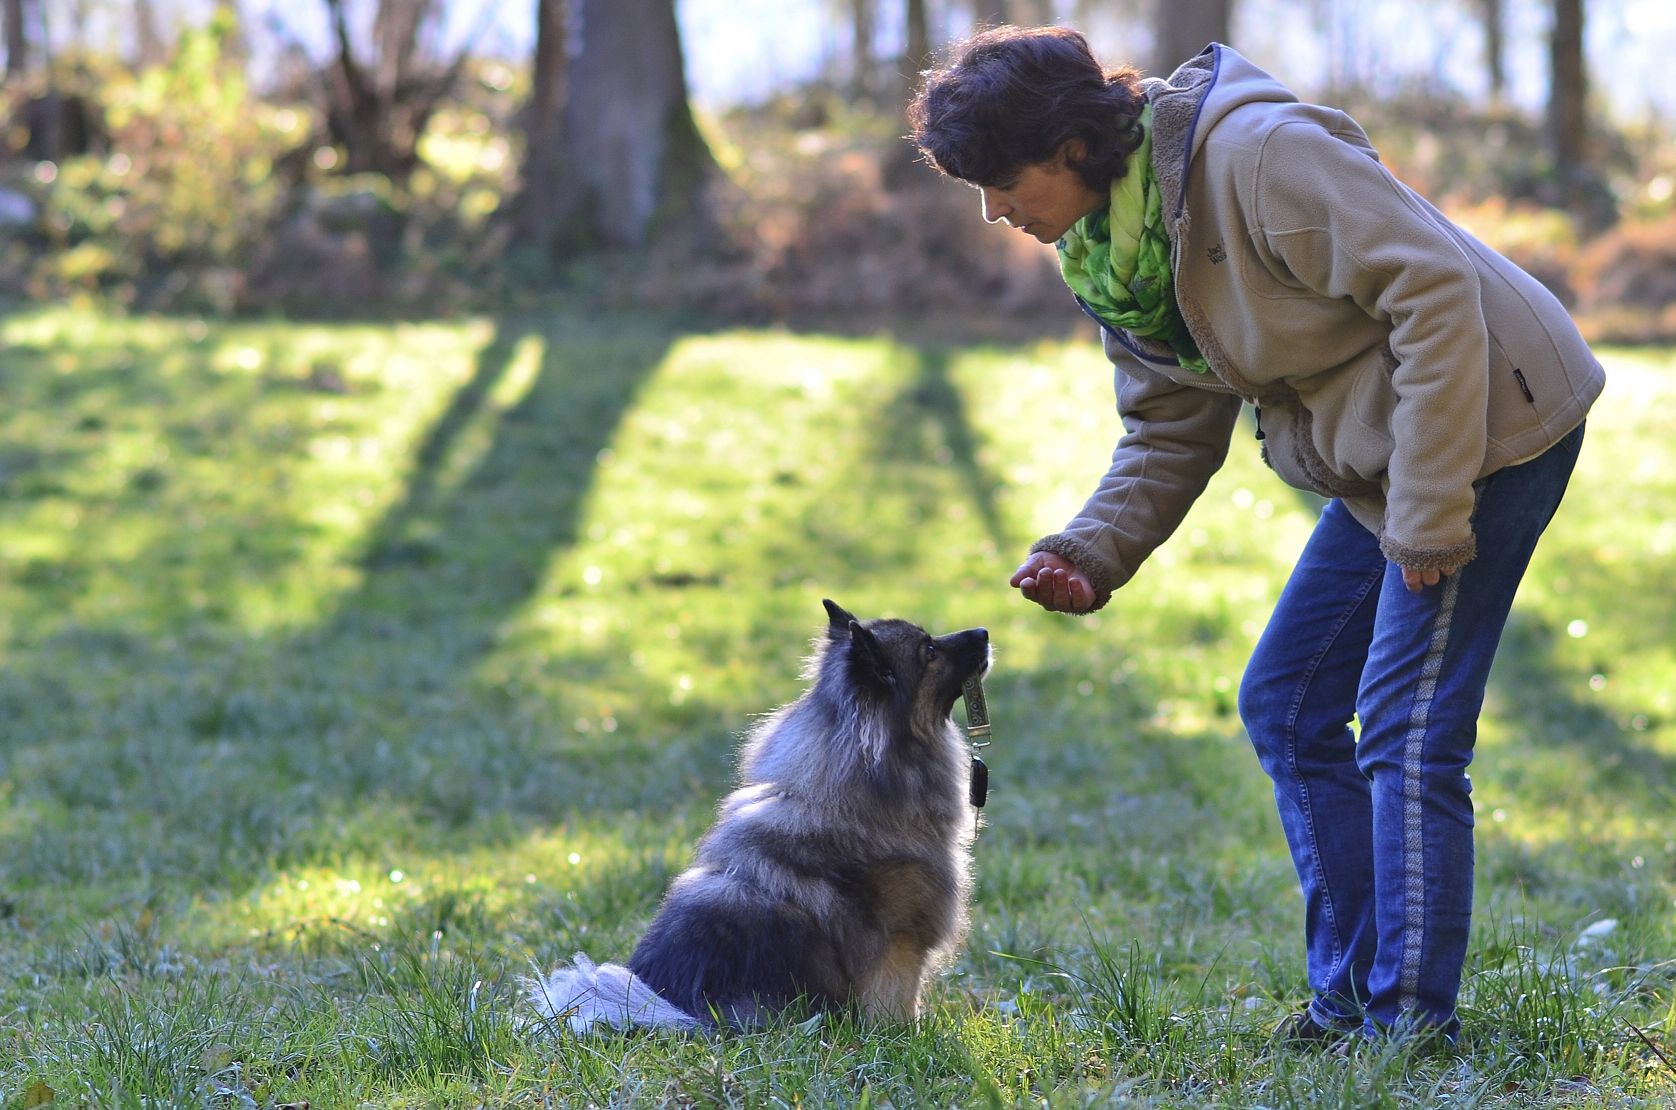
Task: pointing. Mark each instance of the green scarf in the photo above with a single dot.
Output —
(1118, 259)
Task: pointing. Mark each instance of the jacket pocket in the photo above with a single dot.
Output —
(1280, 435)
(1289, 450)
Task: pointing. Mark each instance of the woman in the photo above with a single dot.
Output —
(1239, 246)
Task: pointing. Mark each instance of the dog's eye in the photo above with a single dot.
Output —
(930, 651)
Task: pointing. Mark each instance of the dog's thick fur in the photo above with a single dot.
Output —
(837, 873)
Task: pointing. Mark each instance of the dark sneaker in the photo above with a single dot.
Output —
(1299, 1030)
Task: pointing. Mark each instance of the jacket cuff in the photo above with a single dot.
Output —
(1083, 557)
(1428, 558)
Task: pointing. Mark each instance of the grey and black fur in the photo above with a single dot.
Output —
(838, 872)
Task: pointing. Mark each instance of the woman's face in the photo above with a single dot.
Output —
(1043, 200)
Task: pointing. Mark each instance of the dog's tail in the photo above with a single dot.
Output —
(585, 993)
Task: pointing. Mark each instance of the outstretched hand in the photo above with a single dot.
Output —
(1054, 583)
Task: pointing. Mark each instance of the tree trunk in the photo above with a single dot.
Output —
(152, 51)
(1568, 92)
(235, 44)
(917, 55)
(1182, 28)
(378, 109)
(17, 37)
(863, 14)
(633, 160)
(1031, 13)
(1493, 15)
(537, 203)
(395, 29)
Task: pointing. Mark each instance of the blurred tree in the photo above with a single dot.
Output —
(1030, 13)
(1021, 13)
(377, 109)
(917, 54)
(147, 40)
(1581, 182)
(57, 122)
(19, 14)
(631, 161)
(535, 208)
(863, 23)
(1182, 28)
(1493, 15)
(1568, 90)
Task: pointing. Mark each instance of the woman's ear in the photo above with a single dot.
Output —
(1072, 152)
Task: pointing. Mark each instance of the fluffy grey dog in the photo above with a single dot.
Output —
(837, 874)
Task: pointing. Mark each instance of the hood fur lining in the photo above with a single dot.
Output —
(1175, 107)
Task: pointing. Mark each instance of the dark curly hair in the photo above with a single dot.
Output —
(1010, 97)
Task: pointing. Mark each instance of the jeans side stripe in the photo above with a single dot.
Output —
(1414, 749)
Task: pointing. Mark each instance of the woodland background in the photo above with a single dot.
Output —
(413, 157)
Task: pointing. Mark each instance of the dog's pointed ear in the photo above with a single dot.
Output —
(868, 661)
(839, 619)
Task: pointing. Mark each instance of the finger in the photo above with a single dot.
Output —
(1080, 594)
(1061, 589)
(1052, 589)
(1035, 590)
(1411, 579)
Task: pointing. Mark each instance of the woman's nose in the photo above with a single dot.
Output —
(994, 208)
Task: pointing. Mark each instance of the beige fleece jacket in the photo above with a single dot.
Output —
(1393, 359)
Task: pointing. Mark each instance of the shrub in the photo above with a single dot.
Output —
(168, 218)
(1627, 283)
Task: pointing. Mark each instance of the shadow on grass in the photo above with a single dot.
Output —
(929, 418)
(1547, 708)
(212, 754)
(466, 546)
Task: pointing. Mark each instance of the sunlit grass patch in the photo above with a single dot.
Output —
(182, 454)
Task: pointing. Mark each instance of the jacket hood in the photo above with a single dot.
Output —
(1193, 100)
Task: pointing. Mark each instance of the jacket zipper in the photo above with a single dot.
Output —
(1524, 387)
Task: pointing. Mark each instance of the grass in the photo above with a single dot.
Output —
(352, 673)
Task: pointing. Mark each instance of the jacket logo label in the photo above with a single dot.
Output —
(1217, 254)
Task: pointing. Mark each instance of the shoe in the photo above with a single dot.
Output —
(1420, 1041)
(1300, 1030)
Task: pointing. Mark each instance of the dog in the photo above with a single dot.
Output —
(837, 875)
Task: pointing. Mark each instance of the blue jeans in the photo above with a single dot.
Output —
(1380, 826)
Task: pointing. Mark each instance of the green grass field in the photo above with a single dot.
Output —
(353, 673)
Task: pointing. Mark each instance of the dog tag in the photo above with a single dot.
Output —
(980, 782)
(977, 710)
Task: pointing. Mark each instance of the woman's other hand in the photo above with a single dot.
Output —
(1417, 580)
